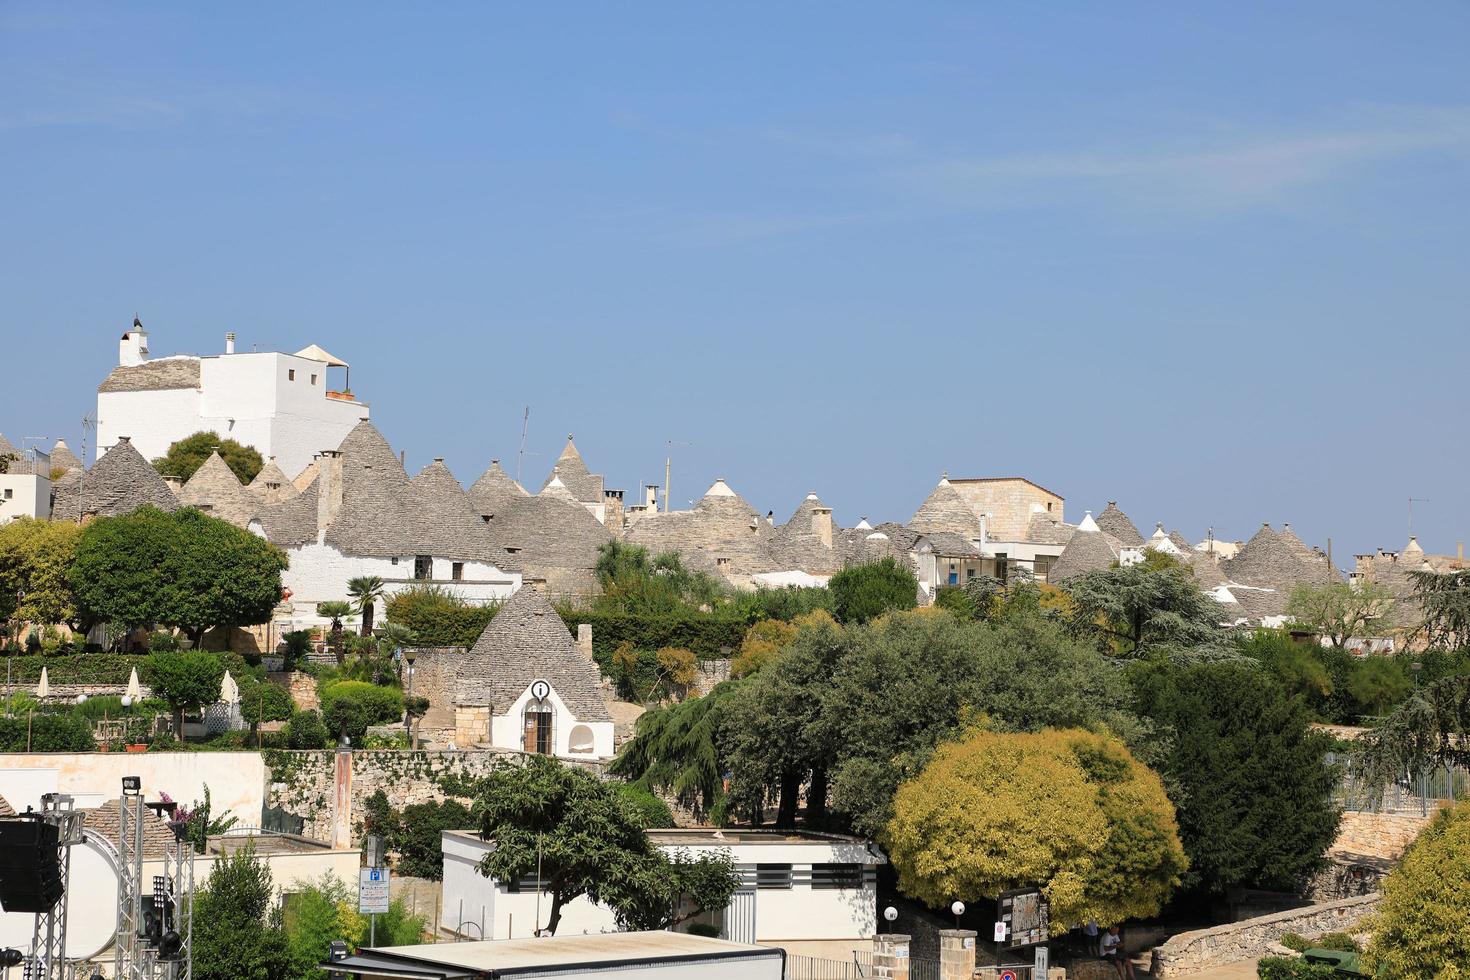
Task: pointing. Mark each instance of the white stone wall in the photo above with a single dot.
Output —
(154, 420)
(508, 730)
(24, 495)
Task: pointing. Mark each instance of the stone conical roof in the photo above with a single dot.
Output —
(1297, 545)
(1113, 521)
(119, 483)
(292, 522)
(216, 490)
(945, 510)
(308, 474)
(374, 519)
(555, 489)
(494, 490)
(525, 642)
(446, 524)
(557, 540)
(62, 456)
(1268, 562)
(572, 470)
(271, 485)
(1088, 550)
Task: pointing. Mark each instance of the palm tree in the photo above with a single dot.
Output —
(365, 590)
(335, 609)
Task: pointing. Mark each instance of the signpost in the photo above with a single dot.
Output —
(373, 897)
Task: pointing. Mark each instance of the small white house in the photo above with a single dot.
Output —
(526, 685)
(281, 404)
(25, 484)
(809, 893)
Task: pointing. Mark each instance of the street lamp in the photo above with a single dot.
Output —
(409, 656)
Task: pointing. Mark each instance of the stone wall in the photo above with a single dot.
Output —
(1191, 952)
(303, 783)
(435, 674)
(301, 685)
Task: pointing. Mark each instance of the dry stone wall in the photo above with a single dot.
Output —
(1191, 952)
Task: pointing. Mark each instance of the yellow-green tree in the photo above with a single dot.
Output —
(34, 557)
(1069, 810)
(1423, 925)
(763, 641)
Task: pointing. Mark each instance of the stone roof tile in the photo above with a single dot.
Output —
(161, 375)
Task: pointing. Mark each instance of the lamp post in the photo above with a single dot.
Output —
(409, 656)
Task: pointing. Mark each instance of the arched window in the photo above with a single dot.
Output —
(581, 740)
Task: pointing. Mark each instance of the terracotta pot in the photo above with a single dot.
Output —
(135, 748)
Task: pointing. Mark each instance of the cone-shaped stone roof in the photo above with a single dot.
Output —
(1088, 550)
(572, 470)
(271, 485)
(62, 456)
(308, 473)
(525, 642)
(1113, 521)
(494, 490)
(119, 483)
(557, 490)
(445, 522)
(291, 523)
(945, 510)
(374, 519)
(216, 490)
(557, 541)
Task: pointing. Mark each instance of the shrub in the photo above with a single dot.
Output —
(1281, 968)
(46, 733)
(381, 704)
(420, 835)
(437, 617)
(1423, 924)
(864, 592)
(653, 813)
(91, 668)
(305, 730)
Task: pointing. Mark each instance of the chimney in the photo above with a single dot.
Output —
(822, 525)
(175, 483)
(328, 488)
(230, 342)
(584, 638)
(132, 350)
(1459, 551)
(650, 496)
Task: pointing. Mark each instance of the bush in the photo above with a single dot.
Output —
(1423, 923)
(653, 813)
(91, 668)
(420, 835)
(305, 730)
(46, 733)
(709, 637)
(437, 617)
(1281, 968)
(382, 704)
(864, 592)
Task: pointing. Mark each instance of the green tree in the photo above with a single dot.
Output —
(1247, 771)
(1444, 603)
(436, 617)
(1068, 809)
(633, 583)
(1376, 684)
(189, 453)
(676, 750)
(420, 836)
(909, 682)
(186, 679)
(315, 917)
(1423, 926)
(335, 610)
(262, 701)
(306, 730)
(1430, 727)
(237, 925)
(1299, 666)
(366, 591)
(1132, 609)
(184, 569)
(34, 559)
(864, 592)
(1341, 611)
(588, 841)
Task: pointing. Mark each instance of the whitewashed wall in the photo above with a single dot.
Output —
(319, 573)
(237, 780)
(508, 730)
(29, 496)
(153, 420)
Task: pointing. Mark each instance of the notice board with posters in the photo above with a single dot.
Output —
(1027, 917)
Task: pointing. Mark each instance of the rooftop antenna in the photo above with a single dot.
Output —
(521, 456)
(89, 425)
(668, 468)
(1412, 501)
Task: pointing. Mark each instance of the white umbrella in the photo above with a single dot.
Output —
(135, 690)
(229, 691)
(43, 689)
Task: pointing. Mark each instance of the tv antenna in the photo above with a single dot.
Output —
(668, 467)
(520, 456)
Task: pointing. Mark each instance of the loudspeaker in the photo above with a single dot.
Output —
(30, 864)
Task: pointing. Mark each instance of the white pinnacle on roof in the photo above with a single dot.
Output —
(1088, 525)
(1412, 548)
(555, 488)
(863, 525)
(719, 489)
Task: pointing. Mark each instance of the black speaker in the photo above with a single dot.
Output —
(30, 864)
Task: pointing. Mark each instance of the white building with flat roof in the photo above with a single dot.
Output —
(25, 483)
(280, 404)
(808, 893)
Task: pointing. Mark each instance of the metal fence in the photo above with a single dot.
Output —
(1413, 792)
(859, 967)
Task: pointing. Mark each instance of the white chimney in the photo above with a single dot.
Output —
(132, 350)
(650, 496)
(230, 342)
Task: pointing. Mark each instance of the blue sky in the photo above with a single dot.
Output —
(1207, 260)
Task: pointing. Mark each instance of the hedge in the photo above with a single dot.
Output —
(47, 733)
(80, 668)
(707, 637)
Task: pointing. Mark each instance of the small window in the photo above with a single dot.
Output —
(291, 374)
(773, 876)
(313, 379)
(458, 572)
(837, 876)
(9, 493)
(393, 560)
(486, 517)
(722, 562)
(510, 550)
(1048, 506)
(423, 566)
(525, 883)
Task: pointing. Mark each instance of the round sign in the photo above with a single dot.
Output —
(540, 690)
(1007, 975)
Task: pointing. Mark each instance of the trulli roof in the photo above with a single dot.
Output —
(945, 510)
(1268, 562)
(1113, 521)
(292, 522)
(271, 485)
(61, 455)
(119, 483)
(573, 471)
(374, 519)
(494, 490)
(1089, 550)
(1046, 529)
(215, 489)
(445, 522)
(525, 642)
(558, 539)
(308, 473)
(161, 375)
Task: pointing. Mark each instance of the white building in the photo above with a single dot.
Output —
(281, 404)
(361, 515)
(808, 893)
(25, 483)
